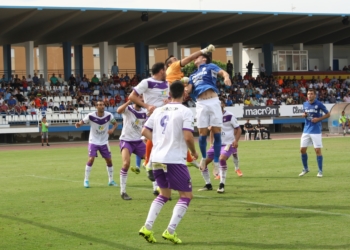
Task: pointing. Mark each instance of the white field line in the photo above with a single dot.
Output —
(202, 196)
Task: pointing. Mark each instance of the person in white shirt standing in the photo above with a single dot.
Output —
(170, 128)
(230, 134)
(134, 116)
(155, 91)
(98, 140)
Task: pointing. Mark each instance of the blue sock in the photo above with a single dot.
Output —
(217, 146)
(320, 162)
(203, 145)
(138, 161)
(304, 160)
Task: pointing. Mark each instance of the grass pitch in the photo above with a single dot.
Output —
(43, 204)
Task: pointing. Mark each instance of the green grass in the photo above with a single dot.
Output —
(43, 204)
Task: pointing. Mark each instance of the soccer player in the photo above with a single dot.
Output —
(312, 134)
(170, 128)
(343, 121)
(134, 117)
(173, 73)
(203, 85)
(155, 91)
(230, 134)
(98, 140)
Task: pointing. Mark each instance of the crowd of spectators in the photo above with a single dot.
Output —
(23, 96)
(270, 90)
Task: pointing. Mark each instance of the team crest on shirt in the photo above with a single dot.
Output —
(164, 93)
(100, 130)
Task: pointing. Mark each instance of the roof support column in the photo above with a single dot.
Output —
(112, 56)
(327, 56)
(43, 61)
(237, 49)
(67, 59)
(173, 50)
(103, 58)
(6, 50)
(78, 60)
(29, 48)
(141, 58)
(267, 49)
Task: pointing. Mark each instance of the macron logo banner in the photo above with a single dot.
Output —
(262, 111)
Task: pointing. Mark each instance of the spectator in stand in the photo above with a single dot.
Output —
(4, 108)
(24, 84)
(104, 79)
(255, 101)
(78, 80)
(316, 69)
(53, 80)
(115, 69)
(229, 68)
(105, 89)
(247, 101)
(37, 102)
(11, 102)
(72, 80)
(23, 110)
(289, 100)
(262, 70)
(112, 102)
(127, 78)
(69, 107)
(94, 101)
(278, 101)
(229, 102)
(345, 68)
(41, 80)
(269, 102)
(346, 97)
(84, 84)
(60, 80)
(332, 99)
(116, 79)
(35, 79)
(95, 81)
(29, 80)
(106, 101)
(117, 99)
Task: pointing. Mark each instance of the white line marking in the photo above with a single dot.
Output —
(206, 197)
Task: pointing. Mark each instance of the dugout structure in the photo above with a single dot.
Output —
(333, 121)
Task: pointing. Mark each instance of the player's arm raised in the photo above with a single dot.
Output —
(196, 54)
(135, 99)
(122, 108)
(226, 77)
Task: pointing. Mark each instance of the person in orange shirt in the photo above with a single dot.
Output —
(111, 102)
(37, 102)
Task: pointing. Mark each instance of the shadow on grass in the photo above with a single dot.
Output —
(69, 233)
(251, 245)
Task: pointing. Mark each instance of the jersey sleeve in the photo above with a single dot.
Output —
(141, 87)
(234, 122)
(149, 124)
(214, 67)
(323, 108)
(112, 119)
(86, 119)
(188, 121)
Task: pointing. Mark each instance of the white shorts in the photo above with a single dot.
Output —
(209, 113)
(311, 140)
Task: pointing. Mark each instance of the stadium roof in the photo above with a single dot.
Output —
(124, 28)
